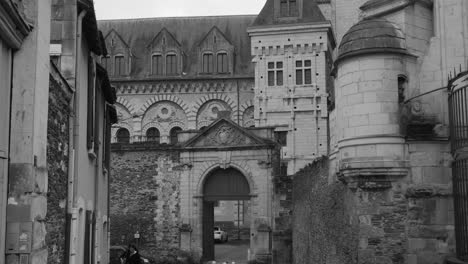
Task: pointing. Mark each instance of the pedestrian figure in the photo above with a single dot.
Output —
(131, 256)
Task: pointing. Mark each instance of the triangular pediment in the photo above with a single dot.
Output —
(164, 39)
(224, 133)
(215, 37)
(114, 41)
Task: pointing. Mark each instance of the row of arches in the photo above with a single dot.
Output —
(152, 135)
(163, 117)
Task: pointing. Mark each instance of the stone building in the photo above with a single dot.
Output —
(252, 99)
(55, 135)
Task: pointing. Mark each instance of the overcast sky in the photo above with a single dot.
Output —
(115, 9)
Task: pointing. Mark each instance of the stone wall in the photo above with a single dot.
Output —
(145, 197)
(324, 229)
(57, 166)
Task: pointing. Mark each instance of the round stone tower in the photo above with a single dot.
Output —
(371, 75)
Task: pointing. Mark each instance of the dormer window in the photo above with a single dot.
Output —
(171, 64)
(222, 62)
(207, 63)
(119, 65)
(288, 8)
(157, 64)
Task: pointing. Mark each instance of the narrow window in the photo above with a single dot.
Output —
(284, 8)
(402, 82)
(153, 135)
(123, 136)
(298, 72)
(171, 64)
(207, 63)
(288, 8)
(174, 132)
(119, 66)
(279, 73)
(157, 65)
(222, 63)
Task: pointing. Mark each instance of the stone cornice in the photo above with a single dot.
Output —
(13, 27)
(184, 86)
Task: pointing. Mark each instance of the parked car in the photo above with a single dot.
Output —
(220, 235)
(117, 251)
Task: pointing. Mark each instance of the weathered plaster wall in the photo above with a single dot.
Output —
(57, 167)
(145, 197)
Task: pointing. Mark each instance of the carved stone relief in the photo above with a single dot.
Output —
(225, 135)
(167, 115)
(209, 112)
(248, 117)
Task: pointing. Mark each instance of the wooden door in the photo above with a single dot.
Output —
(208, 225)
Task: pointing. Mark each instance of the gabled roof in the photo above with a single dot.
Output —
(188, 31)
(225, 133)
(118, 35)
(310, 14)
(164, 30)
(215, 28)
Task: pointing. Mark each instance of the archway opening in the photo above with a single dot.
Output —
(226, 216)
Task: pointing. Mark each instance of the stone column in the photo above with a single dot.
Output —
(27, 197)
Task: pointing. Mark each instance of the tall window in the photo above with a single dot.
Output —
(119, 66)
(402, 82)
(123, 136)
(173, 133)
(153, 135)
(207, 63)
(157, 65)
(288, 8)
(106, 63)
(275, 73)
(303, 72)
(171, 64)
(222, 63)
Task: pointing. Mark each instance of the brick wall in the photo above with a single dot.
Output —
(57, 166)
(145, 197)
(324, 230)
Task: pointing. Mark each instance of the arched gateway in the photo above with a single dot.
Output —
(220, 184)
(225, 162)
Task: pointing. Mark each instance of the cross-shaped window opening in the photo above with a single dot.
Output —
(303, 72)
(275, 73)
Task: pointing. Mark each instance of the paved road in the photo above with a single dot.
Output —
(232, 251)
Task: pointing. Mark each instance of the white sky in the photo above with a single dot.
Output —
(116, 9)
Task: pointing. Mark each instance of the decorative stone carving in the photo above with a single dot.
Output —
(167, 115)
(226, 135)
(209, 112)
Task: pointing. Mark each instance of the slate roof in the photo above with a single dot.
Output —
(189, 32)
(311, 14)
(371, 36)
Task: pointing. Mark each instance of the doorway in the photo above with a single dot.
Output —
(226, 206)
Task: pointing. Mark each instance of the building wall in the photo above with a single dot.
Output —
(301, 110)
(57, 166)
(145, 197)
(5, 88)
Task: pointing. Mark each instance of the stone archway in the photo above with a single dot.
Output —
(220, 184)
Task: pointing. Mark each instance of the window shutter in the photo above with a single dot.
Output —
(91, 101)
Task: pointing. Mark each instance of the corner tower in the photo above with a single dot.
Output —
(291, 47)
